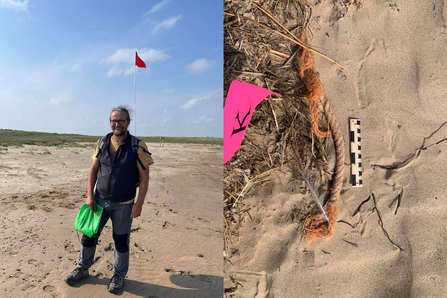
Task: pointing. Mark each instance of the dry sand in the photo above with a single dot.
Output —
(175, 246)
(394, 52)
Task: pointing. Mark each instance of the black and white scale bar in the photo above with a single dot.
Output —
(356, 153)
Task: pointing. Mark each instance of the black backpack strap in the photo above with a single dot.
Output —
(144, 150)
(134, 142)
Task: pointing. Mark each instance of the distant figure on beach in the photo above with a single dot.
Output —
(120, 163)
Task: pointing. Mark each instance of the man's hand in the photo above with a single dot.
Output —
(136, 210)
(90, 202)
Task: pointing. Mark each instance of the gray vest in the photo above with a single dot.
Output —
(117, 181)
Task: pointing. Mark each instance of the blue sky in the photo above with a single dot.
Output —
(65, 64)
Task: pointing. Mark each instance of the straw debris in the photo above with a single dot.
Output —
(261, 47)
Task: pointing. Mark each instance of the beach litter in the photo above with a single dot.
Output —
(277, 60)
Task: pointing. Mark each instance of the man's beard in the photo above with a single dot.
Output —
(119, 132)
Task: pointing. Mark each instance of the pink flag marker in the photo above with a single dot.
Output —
(241, 101)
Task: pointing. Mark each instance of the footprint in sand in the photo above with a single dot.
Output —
(96, 260)
(99, 275)
(180, 272)
(52, 290)
(308, 258)
(46, 209)
(109, 266)
(109, 247)
(134, 230)
(392, 133)
(36, 263)
(31, 207)
(252, 283)
(69, 247)
(361, 85)
(27, 287)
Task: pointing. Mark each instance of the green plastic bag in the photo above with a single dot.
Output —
(87, 221)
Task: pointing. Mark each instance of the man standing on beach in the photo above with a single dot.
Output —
(112, 182)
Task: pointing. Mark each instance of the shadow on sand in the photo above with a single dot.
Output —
(195, 286)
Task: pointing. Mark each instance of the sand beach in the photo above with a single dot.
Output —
(176, 244)
(390, 238)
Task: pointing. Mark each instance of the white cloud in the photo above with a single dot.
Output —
(157, 7)
(58, 100)
(165, 121)
(114, 71)
(76, 66)
(166, 24)
(193, 102)
(128, 56)
(130, 70)
(203, 120)
(15, 5)
(123, 60)
(199, 66)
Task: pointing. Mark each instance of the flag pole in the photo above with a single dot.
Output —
(135, 98)
(139, 63)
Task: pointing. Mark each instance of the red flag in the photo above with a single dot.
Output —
(139, 62)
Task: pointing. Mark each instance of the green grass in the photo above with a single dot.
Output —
(10, 137)
(19, 138)
(184, 140)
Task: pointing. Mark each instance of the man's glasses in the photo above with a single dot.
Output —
(121, 122)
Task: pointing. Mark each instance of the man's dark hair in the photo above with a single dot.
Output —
(122, 108)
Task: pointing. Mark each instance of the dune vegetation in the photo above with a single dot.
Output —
(10, 137)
